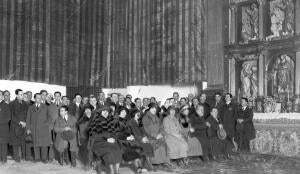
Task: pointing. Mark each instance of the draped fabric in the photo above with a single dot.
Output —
(104, 43)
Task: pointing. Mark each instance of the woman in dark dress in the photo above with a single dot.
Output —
(134, 124)
(218, 148)
(83, 135)
(129, 146)
(103, 139)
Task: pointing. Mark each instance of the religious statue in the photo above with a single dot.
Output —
(282, 18)
(249, 23)
(249, 79)
(283, 76)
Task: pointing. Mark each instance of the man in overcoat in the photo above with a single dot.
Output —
(37, 124)
(5, 117)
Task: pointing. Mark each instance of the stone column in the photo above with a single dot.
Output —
(297, 74)
(297, 17)
(232, 78)
(261, 18)
(232, 23)
(261, 74)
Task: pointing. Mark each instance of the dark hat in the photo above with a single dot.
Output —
(88, 107)
(121, 108)
(133, 112)
(222, 134)
(67, 135)
(103, 108)
(184, 107)
(112, 104)
(152, 105)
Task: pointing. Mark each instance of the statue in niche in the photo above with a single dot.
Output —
(283, 76)
(282, 18)
(249, 79)
(249, 23)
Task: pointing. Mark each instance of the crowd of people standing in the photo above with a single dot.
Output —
(108, 131)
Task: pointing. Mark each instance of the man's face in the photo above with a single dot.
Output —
(114, 98)
(244, 103)
(217, 98)
(145, 103)
(85, 100)
(203, 97)
(153, 110)
(121, 99)
(190, 96)
(214, 113)
(6, 96)
(25, 97)
(57, 97)
(44, 96)
(172, 101)
(138, 103)
(93, 101)
(195, 102)
(65, 100)
(63, 112)
(101, 96)
(49, 98)
(185, 112)
(200, 111)
(129, 96)
(20, 95)
(182, 101)
(78, 99)
(123, 114)
(29, 95)
(38, 99)
(153, 100)
(176, 96)
(227, 98)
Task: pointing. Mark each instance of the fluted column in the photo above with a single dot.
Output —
(232, 23)
(261, 18)
(297, 74)
(232, 76)
(261, 74)
(297, 17)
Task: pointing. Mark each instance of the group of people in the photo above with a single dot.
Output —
(110, 131)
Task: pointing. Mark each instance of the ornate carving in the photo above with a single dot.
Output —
(282, 18)
(233, 7)
(261, 2)
(282, 76)
(248, 77)
(249, 22)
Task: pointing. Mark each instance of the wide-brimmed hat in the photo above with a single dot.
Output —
(88, 107)
(222, 134)
(152, 105)
(121, 108)
(103, 108)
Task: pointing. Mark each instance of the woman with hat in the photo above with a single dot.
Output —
(83, 135)
(103, 140)
(217, 135)
(174, 137)
(154, 130)
(194, 146)
(141, 140)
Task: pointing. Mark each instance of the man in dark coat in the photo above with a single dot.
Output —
(228, 119)
(199, 130)
(5, 117)
(219, 103)
(18, 110)
(37, 124)
(205, 105)
(76, 109)
(245, 128)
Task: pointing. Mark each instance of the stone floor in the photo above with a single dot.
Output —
(241, 164)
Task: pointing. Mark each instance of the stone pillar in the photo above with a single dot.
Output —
(232, 78)
(261, 19)
(297, 74)
(261, 74)
(232, 23)
(297, 17)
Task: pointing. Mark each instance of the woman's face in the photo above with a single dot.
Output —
(88, 112)
(172, 112)
(153, 110)
(186, 112)
(104, 113)
(137, 116)
(123, 114)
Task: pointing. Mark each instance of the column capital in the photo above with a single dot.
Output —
(261, 2)
(233, 7)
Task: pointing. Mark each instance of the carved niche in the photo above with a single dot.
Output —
(249, 22)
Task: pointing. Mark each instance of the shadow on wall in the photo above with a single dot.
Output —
(12, 85)
(161, 93)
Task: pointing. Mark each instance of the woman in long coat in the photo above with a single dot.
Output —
(174, 137)
(4, 129)
(154, 130)
(103, 140)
